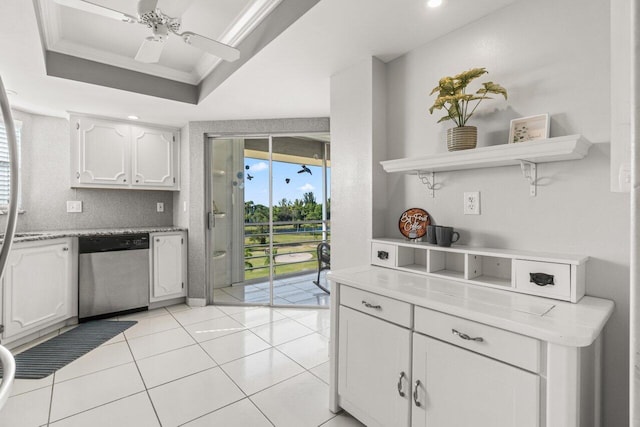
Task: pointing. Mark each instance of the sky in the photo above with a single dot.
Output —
(257, 188)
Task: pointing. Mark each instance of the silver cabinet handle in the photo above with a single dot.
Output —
(466, 337)
(400, 392)
(415, 393)
(369, 305)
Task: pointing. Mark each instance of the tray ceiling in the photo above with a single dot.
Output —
(77, 41)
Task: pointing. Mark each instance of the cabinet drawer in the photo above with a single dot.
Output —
(383, 254)
(560, 286)
(385, 308)
(509, 347)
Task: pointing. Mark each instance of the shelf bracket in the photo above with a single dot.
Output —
(530, 173)
(429, 180)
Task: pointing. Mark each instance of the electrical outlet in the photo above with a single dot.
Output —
(160, 207)
(74, 206)
(472, 203)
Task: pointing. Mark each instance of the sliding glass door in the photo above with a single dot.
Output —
(269, 219)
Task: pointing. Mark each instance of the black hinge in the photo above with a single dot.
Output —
(1, 329)
(174, 138)
(174, 179)
(182, 240)
(182, 285)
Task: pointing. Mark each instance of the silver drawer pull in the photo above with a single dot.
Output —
(369, 305)
(383, 255)
(466, 337)
(400, 392)
(415, 393)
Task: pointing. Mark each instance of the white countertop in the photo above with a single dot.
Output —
(576, 325)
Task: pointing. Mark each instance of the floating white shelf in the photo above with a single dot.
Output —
(571, 147)
(526, 154)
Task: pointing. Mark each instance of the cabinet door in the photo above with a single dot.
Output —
(168, 266)
(457, 387)
(103, 152)
(374, 369)
(37, 287)
(153, 152)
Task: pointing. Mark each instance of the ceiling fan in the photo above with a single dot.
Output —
(161, 25)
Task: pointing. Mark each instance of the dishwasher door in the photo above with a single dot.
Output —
(112, 282)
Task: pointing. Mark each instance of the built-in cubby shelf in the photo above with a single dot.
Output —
(549, 275)
(525, 154)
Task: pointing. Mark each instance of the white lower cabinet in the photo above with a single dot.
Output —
(168, 262)
(456, 387)
(39, 287)
(374, 369)
(389, 376)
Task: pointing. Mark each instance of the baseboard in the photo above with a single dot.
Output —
(196, 302)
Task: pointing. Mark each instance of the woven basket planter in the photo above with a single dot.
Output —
(462, 138)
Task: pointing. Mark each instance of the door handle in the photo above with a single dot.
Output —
(415, 393)
(400, 392)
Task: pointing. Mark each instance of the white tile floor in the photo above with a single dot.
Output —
(210, 366)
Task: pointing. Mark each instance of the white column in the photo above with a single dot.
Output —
(634, 294)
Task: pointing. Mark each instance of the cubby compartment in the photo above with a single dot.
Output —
(490, 270)
(414, 259)
(449, 264)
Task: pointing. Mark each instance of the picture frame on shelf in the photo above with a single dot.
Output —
(529, 128)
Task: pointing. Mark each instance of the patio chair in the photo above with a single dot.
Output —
(324, 263)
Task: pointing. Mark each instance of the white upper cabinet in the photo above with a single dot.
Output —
(112, 154)
(153, 153)
(103, 152)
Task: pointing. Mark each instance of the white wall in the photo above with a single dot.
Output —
(46, 187)
(552, 56)
(357, 144)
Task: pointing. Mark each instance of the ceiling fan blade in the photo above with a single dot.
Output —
(216, 48)
(150, 51)
(97, 9)
(145, 6)
(175, 8)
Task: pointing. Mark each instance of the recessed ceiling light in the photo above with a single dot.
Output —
(434, 3)
(132, 117)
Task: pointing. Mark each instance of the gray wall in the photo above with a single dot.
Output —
(552, 56)
(195, 163)
(46, 187)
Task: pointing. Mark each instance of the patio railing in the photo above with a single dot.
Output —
(294, 247)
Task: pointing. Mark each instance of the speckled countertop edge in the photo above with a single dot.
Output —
(30, 236)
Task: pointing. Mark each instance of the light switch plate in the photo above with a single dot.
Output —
(160, 207)
(74, 206)
(472, 203)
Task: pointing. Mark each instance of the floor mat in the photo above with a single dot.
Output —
(46, 358)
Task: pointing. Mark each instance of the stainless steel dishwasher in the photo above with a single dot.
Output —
(113, 275)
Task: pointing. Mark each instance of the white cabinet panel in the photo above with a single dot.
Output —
(374, 369)
(38, 287)
(103, 152)
(454, 387)
(168, 266)
(153, 154)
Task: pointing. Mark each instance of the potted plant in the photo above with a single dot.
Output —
(459, 105)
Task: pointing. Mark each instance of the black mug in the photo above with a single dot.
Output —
(431, 234)
(445, 236)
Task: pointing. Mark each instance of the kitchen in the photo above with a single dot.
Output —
(539, 62)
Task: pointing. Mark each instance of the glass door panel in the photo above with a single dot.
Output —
(298, 188)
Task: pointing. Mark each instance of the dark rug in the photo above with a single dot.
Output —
(46, 358)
